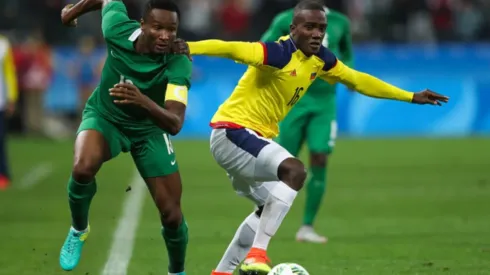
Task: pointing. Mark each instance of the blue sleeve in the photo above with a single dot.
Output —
(329, 59)
(278, 54)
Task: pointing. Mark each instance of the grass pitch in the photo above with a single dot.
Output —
(402, 206)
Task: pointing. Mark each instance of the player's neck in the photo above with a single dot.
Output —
(140, 45)
(296, 47)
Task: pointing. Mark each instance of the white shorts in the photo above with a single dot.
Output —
(251, 161)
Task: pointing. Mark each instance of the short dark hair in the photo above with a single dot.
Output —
(309, 5)
(168, 5)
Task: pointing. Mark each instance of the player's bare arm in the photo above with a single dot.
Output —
(71, 12)
(170, 118)
(172, 108)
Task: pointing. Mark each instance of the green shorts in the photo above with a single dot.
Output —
(153, 156)
(316, 126)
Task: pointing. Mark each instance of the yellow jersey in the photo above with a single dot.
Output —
(8, 77)
(277, 77)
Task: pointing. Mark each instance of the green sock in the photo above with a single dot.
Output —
(176, 241)
(315, 190)
(79, 197)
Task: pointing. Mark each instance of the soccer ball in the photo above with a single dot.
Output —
(288, 269)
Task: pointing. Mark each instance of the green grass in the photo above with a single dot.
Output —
(392, 207)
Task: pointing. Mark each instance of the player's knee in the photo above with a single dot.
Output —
(293, 173)
(171, 215)
(85, 167)
(318, 159)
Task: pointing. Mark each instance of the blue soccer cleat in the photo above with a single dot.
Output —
(72, 248)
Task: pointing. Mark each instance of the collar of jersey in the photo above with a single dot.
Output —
(292, 42)
(134, 35)
(303, 55)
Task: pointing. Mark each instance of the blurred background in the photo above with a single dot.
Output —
(408, 188)
(416, 44)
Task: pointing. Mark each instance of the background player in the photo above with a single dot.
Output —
(313, 118)
(9, 95)
(125, 114)
(244, 125)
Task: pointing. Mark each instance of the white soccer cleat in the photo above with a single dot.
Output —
(308, 234)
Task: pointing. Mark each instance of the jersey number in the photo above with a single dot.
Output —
(295, 97)
(170, 148)
(122, 79)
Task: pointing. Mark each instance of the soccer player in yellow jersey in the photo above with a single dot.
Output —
(8, 99)
(278, 75)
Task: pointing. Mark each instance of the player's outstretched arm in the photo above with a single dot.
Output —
(71, 12)
(374, 87)
(251, 53)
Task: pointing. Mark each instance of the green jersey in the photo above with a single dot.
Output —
(337, 39)
(150, 73)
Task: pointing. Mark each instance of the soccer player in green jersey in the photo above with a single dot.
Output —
(314, 117)
(140, 101)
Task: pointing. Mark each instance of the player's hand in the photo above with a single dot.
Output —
(181, 47)
(65, 17)
(129, 94)
(429, 97)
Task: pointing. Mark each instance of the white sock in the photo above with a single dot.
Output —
(275, 209)
(240, 245)
(78, 231)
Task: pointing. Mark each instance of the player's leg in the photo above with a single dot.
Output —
(155, 160)
(242, 153)
(321, 135)
(291, 174)
(243, 239)
(91, 150)
(4, 174)
(166, 193)
(239, 246)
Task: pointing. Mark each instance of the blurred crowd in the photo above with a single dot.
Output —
(372, 20)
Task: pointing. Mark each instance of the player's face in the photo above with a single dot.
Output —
(160, 30)
(308, 30)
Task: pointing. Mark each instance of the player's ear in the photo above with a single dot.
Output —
(292, 27)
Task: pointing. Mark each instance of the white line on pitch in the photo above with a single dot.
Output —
(123, 240)
(36, 175)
